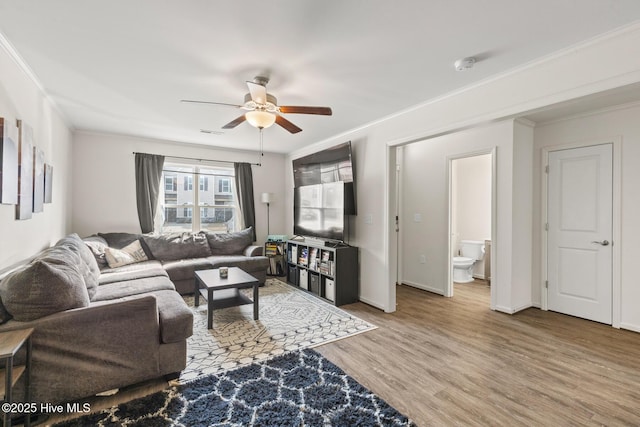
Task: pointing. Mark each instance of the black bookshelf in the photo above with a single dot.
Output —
(326, 271)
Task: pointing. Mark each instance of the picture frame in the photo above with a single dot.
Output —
(24, 207)
(48, 183)
(8, 162)
(38, 180)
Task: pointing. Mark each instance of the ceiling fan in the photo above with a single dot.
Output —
(263, 109)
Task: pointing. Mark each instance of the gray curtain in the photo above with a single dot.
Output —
(148, 175)
(244, 188)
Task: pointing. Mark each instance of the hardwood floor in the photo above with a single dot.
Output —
(453, 361)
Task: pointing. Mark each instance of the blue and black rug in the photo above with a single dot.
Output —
(300, 388)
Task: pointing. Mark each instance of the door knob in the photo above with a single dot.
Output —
(603, 243)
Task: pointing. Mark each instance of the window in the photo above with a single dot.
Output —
(204, 183)
(224, 185)
(203, 209)
(188, 183)
(170, 183)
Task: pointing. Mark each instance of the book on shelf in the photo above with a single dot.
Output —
(293, 254)
(304, 254)
(271, 249)
(313, 259)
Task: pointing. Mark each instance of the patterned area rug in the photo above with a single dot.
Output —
(300, 388)
(289, 319)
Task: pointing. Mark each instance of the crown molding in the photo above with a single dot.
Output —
(24, 67)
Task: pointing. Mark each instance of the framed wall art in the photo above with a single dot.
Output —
(8, 162)
(48, 183)
(38, 180)
(24, 208)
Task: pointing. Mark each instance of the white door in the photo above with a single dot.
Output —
(580, 216)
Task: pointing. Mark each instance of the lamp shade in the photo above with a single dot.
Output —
(260, 119)
(267, 197)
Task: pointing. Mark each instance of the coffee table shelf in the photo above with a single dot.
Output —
(223, 292)
(226, 298)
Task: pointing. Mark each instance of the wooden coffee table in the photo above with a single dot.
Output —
(227, 290)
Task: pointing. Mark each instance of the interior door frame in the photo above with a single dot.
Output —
(494, 224)
(616, 219)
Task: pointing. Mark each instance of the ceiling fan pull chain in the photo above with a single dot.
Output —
(261, 147)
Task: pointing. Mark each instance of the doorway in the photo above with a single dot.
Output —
(579, 225)
(471, 219)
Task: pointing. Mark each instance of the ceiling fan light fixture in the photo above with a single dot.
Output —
(260, 119)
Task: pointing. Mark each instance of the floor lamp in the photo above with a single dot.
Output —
(267, 198)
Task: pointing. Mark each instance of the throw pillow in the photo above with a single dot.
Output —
(130, 254)
(45, 286)
(230, 243)
(88, 267)
(175, 246)
(97, 245)
(5, 316)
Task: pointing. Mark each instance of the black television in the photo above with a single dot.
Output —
(318, 210)
(334, 164)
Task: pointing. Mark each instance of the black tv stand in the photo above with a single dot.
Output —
(330, 272)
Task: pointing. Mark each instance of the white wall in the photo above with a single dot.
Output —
(604, 63)
(21, 98)
(104, 194)
(471, 203)
(425, 191)
(601, 127)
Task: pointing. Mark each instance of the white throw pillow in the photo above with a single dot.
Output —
(130, 254)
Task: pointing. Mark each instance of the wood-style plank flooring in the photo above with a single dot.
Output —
(453, 361)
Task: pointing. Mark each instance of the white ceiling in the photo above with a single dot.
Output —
(122, 66)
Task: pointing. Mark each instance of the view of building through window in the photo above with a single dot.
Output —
(213, 198)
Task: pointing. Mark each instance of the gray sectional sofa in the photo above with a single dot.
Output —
(107, 309)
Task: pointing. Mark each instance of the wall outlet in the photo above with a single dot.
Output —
(417, 217)
(368, 219)
(423, 259)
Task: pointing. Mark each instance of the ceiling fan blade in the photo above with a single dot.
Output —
(289, 109)
(235, 122)
(209, 102)
(258, 93)
(287, 124)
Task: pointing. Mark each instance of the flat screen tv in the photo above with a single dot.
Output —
(319, 210)
(334, 164)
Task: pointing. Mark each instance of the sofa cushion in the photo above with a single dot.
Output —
(47, 285)
(248, 264)
(138, 286)
(97, 245)
(140, 270)
(177, 246)
(130, 254)
(183, 269)
(89, 266)
(230, 243)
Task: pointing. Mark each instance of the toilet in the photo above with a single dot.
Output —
(470, 252)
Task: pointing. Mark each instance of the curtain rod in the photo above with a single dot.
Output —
(201, 160)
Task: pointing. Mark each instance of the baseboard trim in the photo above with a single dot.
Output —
(512, 310)
(423, 287)
(371, 303)
(630, 327)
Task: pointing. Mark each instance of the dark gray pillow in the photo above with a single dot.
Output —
(230, 243)
(88, 267)
(119, 240)
(45, 286)
(5, 316)
(166, 247)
